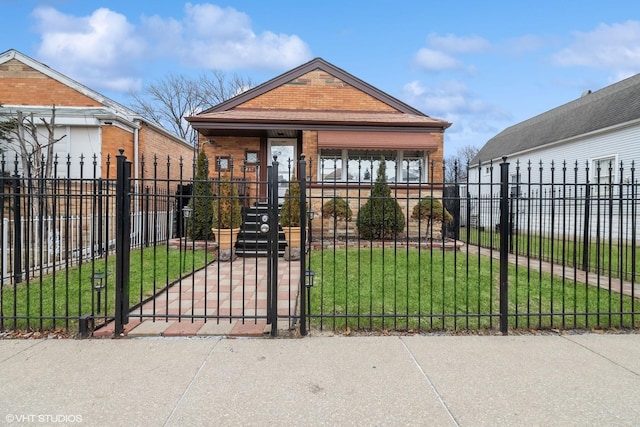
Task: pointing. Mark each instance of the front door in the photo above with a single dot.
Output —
(285, 150)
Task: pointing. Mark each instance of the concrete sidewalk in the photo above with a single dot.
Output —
(411, 380)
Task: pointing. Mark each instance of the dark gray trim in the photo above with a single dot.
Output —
(312, 126)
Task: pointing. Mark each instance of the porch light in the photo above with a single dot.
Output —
(311, 214)
(187, 211)
(308, 278)
(97, 282)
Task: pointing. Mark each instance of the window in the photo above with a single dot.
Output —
(514, 190)
(222, 163)
(362, 165)
(251, 157)
(603, 174)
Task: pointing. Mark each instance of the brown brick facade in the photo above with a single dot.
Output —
(320, 91)
(155, 146)
(23, 85)
(114, 138)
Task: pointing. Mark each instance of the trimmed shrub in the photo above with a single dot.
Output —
(336, 208)
(430, 209)
(227, 212)
(200, 226)
(290, 213)
(381, 216)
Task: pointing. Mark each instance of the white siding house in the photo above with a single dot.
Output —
(571, 169)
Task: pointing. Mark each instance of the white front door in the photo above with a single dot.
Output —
(285, 150)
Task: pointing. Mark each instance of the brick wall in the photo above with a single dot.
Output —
(154, 144)
(317, 90)
(22, 85)
(114, 138)
(234, 147)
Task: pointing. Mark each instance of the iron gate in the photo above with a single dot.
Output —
(239, 286)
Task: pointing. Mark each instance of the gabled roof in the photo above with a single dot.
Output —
(50, 72)
(314, 64)
(118, 110)
(613, 105)
(226, 115)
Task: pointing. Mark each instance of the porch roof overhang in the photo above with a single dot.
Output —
(241, 120)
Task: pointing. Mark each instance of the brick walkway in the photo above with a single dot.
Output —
(242, 292)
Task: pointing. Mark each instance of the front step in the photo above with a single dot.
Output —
(251, 242)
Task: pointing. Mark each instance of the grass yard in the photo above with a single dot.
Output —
(615, 260)
(56, 300)
(410, 289)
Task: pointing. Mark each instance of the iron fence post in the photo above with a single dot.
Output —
(585, 227)
(504, 246)
(272, 247)
(123, 240)
(302, 171)
(17, 230)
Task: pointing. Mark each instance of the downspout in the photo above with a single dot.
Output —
(136, 171)
(136, 150)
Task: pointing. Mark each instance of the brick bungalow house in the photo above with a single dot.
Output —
(91, 123)
(336, 120)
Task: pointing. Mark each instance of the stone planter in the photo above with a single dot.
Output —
(226, 239)
(292, 251)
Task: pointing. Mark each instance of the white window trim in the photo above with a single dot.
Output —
(400, 157)
(600, 189)
(604, 167)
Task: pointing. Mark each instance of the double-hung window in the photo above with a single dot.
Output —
(603, 174)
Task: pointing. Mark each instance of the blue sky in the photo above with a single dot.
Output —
(481, 65)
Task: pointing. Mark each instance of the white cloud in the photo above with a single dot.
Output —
(614, 47)
(438, 55)
(453, 44)
(474, 120)
(95, 48)
(105, 50)
(434, 60)
(222, 38)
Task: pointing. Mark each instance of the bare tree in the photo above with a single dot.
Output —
(24, 132)
(173, 97)
(455, 167)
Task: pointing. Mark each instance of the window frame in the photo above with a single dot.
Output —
(600, 189)
(219, 167)
(400, 156)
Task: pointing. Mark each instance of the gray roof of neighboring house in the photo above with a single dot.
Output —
(615, 104)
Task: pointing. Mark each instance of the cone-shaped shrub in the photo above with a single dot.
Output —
(227, 212)
(290, 213)
(200, 226)
(381, 216)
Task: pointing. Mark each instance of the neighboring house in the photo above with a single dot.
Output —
(586, 147)
(343, 125)
(91, 123)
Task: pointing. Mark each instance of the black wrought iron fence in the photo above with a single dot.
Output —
(541, 251)
(547, 253)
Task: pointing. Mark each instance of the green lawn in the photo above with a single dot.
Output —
(56, 300)
(411, 289)
(615, 260)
